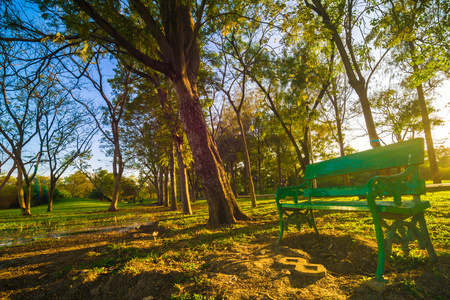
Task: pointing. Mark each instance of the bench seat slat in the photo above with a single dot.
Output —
(407, 208)
(339, 191)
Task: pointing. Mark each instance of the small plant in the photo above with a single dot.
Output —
(411, 261)
(409, 286)
(189, 266)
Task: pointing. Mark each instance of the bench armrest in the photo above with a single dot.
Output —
(293, 191)
(391, 185)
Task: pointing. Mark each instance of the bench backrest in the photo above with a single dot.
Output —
(391, 156)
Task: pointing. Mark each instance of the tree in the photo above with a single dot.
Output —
(5, 179)
(294, 90)
(174, 51)
(146, 138)
(113, 111)
(337, 16)
(398, 114)
(66, 133)
(24, 89)
(173, 123)
(77, 184)
(240, 51)
(335, 113)
(419, 35)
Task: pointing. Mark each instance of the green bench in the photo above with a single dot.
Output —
(402, 221)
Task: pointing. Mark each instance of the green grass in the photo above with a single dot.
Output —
(188, 240)
(69, 216)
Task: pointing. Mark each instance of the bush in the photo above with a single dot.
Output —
(61, 194)
(8, 197)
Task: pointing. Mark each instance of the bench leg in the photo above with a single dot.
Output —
(404, 232)
(380, 239)
(298, 218)
(280, 212)
(313, 221)
(426, 237)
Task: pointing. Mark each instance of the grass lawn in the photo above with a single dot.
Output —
(75, 215)
(69, 216)
(180, 257)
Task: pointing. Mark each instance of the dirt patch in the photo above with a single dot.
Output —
(141, 264)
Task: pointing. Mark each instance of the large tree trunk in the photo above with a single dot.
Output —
(179, 52)
(223, 208)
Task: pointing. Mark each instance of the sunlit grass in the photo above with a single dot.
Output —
(186, 241)
(69, 216)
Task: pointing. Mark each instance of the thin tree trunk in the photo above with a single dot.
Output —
(50, 196)
(184, 187)
(234, 179)
(20, 194)
(426, 123)
(356, 81)
(161, 195)
(173, 181)
(248, 173)
(428, 136)
(261, 188)
(279, 166)
(340, 135)
(28, 199)
(193, 182)
(117, 168)
(166, 187)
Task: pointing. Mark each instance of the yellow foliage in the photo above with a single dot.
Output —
(58, 37)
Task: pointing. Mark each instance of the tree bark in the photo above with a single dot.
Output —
(50, 196)
(356, 80)
(247, 166)
(428, 136)
(426, 122)
(166, 187)
(25, 211)
(173, 181)
(178, 49)
(160, 188)
(223, 208)
(261, 188)
(184, 186)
